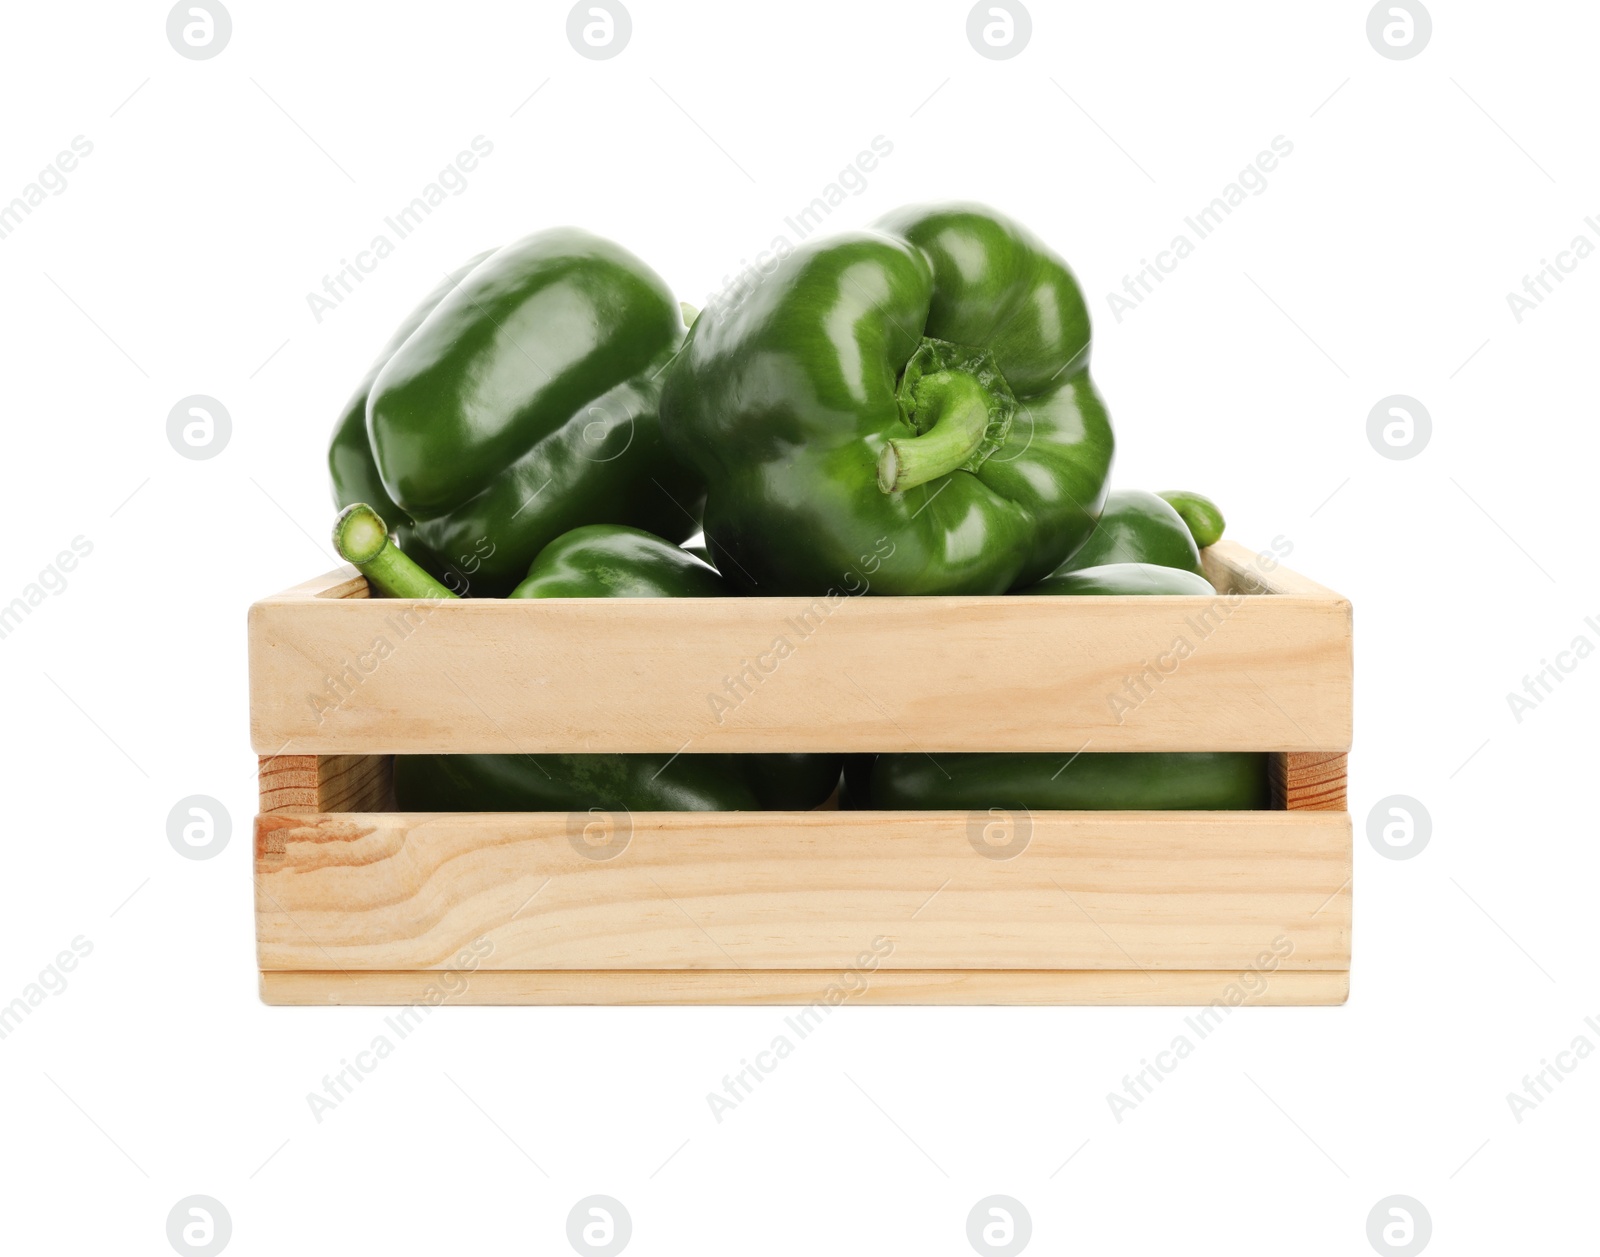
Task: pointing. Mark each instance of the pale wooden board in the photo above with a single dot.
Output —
(868, 674)
(803, 890)
(801, 987)
(1230, 566)
(1309, 781)
(326, 783)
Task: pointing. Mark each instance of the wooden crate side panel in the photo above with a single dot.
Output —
(827, 989)
(383, 676)
(1233, 568)
(326, 783)
(1309, 781)
(1141, 890)
(288, 783)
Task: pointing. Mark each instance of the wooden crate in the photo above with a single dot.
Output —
(357, 903)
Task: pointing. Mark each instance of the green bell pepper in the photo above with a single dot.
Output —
(908, 406)
(613, 783)
(1109, 781)
(350, 464)
(597, 561)
(1203, 516)
(520, 400)
(612, 561)
(1137, 527)
(1122, 578)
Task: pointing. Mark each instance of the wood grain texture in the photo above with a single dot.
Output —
(375, 676)
(326, 783)
(1233, 568)
(1309, 781)
(800, 987)
(803, 890)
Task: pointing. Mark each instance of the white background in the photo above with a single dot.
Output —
(177, 261)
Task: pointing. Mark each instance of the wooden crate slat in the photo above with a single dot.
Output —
(1309, 781)
(353, 675)
(326, 783)
(1227, 990)
(1148, 890)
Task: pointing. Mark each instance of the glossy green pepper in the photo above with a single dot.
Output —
(1122, 578)
(907, 408)
(597, 561)
(350, 466)
(612, 561)
(1203, 516)
(1113, 780)
(518, 402)
(1137, 527)
(613, 783)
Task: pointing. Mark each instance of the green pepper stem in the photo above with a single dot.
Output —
(955, 412)
(362, 538)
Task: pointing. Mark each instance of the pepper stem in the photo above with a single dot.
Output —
(952, 409)
(362, 538)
